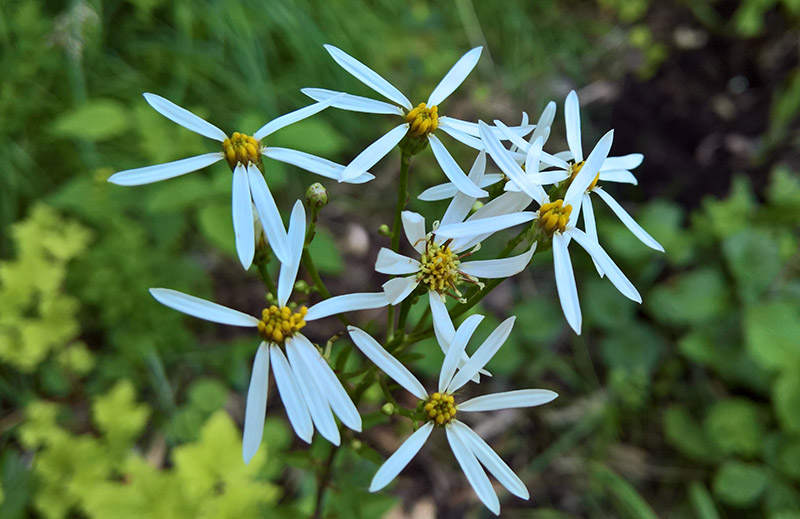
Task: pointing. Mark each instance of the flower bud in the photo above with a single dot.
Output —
(316, 196)
(302, 287)
(384, 230)
(388, 409)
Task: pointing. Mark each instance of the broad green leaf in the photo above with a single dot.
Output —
(97, 120)
(688, 437)
(736, 426)
(326, 253)
(740, 484)
(216, 225)
(689, 299)
(753, 259)
(119, 416)
(771, 332)
(786, 399)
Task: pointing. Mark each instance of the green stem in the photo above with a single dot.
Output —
(311, 268)
(264, 275)
(402, 195)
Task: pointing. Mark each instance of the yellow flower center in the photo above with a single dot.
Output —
(440, 409)
(575, 168)
(423, 120)
(439, 269)
(554, 216)
(278, 324)
(241, 148)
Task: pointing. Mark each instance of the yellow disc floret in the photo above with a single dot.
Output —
(440, 409)
(278, 324)
(423, 120)
(575, 168)
(554, 216)
(439, 267)
(241, 148)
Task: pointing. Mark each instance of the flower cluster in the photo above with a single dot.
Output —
(440, 268)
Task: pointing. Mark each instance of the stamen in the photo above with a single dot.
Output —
(241, 148)
(440, 409)
(554, 216)
(423, 120)
(278, 324)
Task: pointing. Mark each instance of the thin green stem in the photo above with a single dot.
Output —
(264, 275)
(402, 195)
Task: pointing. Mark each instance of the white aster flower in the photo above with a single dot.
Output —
(243, 153)
(419, 123)
(441, 410)
(556, 221)
(310, 391)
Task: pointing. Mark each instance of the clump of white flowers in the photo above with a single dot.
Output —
(541, 195)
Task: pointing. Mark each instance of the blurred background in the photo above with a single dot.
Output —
(112, 406)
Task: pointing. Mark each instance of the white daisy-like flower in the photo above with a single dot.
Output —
(568, 164)
(310, 391)
(419, 122)
(243, 154)
(440, 409)
(555, 220)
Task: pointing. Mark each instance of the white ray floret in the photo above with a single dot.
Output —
(311, 392)
(248, 181)
(439, 409)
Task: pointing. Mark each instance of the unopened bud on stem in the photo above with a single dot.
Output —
(316, 196)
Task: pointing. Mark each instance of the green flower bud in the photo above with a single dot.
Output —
(388, 409)
(302, 286)
(316, 196)
(384, 230)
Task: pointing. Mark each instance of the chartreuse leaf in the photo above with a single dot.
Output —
(118, 416)
(740, 484)
(627, 501)
(771, 332)
(96, 120)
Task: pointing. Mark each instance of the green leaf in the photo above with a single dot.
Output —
(216, 225)
(702, 502)
(118, 415)
(725, 217)
(754, 260)
(325, 253)
(740, 484)
(735, 425)
(634, 347)
(689, 299)
(96, 120)
(312, 135)
(786, 398)
(771, 332)
(628, 502)
(688, 437)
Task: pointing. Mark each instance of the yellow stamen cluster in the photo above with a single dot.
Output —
(574, 169)
(439, 267)
(554, 216)
(440, 409)
(423, 120)
(278, 324)
(241, 148)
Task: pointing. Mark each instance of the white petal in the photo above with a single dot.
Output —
(488, 225)
(628, 221)
(292, 399)
(315, 400)
(460, 205)
(591, 226)
(368, 76)
(312, 163)
(515, 139)
(611, 269)
(498, 268)
(572, 116)
(493, 463)
(630, 161)
(397, 289)
(329, 385)
(386, 362)
(504, 204)
(553, 176)
(256, 406)
(201, 308)
(455, 76)
(508, 165)
(590, 168)
(242, 209)
(448, 190)
(414, 227)
(555, 161)
(346, 303)
(565, 282)
(619, 175)
(373, 153)
(296, 116)
(463, 138)
(472, 470)
(442, 324)
(268, 214)
(545, 121)
(575, 214)
(353, 103)
(471, 128)
(508, 400)
(296, 238)
(456, 350)
(390, 262)
(184, 117)
(482, 355)
(398, 461)
(452, 170)
(150, 174)
(533, 157)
